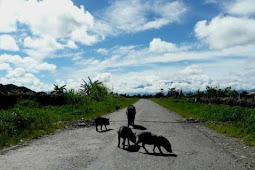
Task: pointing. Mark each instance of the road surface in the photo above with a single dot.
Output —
(194, 146)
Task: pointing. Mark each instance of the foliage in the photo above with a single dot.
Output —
(29, 120)
(72, 97)
(58, 90)
(16, 90)
(95, 90)
(217, 92)
(171, 92)
(159, 95)
(211, 91)
(218, 117)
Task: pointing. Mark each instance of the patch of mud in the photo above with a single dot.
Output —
(190, 120)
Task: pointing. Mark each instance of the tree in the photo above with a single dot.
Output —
(227, 91)
(171, 92)
(181, 93)
(96, 90)
(234, 94)
(211, 91)
(58, 90)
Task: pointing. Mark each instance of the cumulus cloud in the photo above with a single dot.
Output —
(17, 72)
(159, 46)
(151, 81)
(8, 15)
(7, 42)
(188, 78)
(133, 16)
(20, 77)
(67, 23)
(83, 37)
(241, 7)
(47, 43)
(41, 47)
(27, 63)
(71, 44)
(103, 77)
(102, 51)
(5, 66)
(224, 32)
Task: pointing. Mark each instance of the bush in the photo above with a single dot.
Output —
(27, 103)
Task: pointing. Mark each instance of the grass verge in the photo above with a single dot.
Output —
(28, 120)
(233, 121)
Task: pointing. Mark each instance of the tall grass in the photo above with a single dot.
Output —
(232, 120)
(29, 120)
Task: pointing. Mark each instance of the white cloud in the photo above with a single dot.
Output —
(102, 51)
(151, 81)
(187, 78)
(155, 24)
(134, 69)
(71, 44)
(104, 77)
(12, 59)
(224, 32)
(20, 77)
(46, 43)
(159, 46)
(83, 37)
(241, 7)
(192, 70)
(134, 56)
(44, 66)
(41, 47)
(132, 16)
(27, 63)
(5, 66)
(62, 21)
(16, 73)
(9, 11)
(56, 22)
(7, 42)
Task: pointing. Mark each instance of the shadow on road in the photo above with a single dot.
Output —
(133, 148)
(139, 127)
(162, 154)
(107, 130)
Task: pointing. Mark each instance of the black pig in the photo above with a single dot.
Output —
(131, 112)
(153, 139)
(125, 133)
(102, 121)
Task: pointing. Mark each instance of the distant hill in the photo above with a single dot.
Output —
(13, 89)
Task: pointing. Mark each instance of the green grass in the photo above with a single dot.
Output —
(28, 120)
(233, 121)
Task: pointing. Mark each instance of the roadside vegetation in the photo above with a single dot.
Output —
(233, 121)
(30, 119)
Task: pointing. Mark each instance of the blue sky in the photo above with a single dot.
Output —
(128, 44)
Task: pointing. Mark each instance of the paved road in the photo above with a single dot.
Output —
(195, 146)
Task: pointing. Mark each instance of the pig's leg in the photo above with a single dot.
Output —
(143, 145)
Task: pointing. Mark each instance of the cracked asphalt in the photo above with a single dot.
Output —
(194, 146)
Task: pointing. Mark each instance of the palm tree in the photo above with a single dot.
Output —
(58, 90)
(96, 90)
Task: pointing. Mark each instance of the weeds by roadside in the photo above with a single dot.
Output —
(29, 120)
(234, 121)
